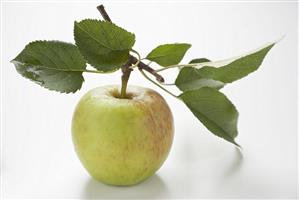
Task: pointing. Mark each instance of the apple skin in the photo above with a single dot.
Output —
(122, 141)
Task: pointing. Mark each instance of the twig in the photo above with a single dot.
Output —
(104, 13)
(141, 65)
(147, 68)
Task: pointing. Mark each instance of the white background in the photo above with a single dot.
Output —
(38, 159)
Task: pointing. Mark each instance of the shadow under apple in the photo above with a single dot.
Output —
(152, 188)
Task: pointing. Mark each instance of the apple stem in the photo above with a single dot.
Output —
(126, 70)
(133, 59)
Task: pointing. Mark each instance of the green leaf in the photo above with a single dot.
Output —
(168, 54)
(54, 65)
(190, 79)
(199, 60)
(214, 110)
(233, 69)
(103, 44)
(217, 74)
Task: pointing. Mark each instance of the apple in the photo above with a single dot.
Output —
(122, 141)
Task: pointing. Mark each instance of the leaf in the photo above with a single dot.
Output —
(199, 60)
(190, 79)
(217, 74)
(168, 54)
(214, 110)
(103, 44)
(233, 69)
(54, 65)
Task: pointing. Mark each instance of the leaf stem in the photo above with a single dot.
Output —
(138, 55)
(139, 58)
(168, 84)
(148, 78)
(174, 66)
(92, 71)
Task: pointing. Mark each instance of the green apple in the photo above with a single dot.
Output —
(122, 141)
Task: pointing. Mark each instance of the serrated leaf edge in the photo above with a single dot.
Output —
(101, 21)
(232, 138)
(162, 45)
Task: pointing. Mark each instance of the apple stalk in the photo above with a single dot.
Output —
(126, 70)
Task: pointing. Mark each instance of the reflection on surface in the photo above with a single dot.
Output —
(191, 182)
(236, 164)
(153, 187)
